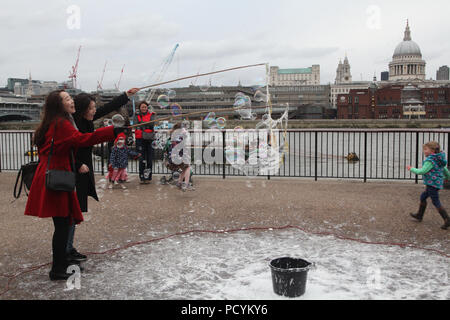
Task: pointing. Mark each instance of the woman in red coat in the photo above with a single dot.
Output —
(63, 207)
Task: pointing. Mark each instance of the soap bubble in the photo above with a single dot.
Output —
(246, 114)
(238, 128)
(163, 101)
(242, 102)
(239, 103)
(210, 117)
(260, 97)
(204, 87)
(176, 109)
(171, 93)
(235, 155)
(210, 120)
(239, 95)
(118, 121)
(221, 122)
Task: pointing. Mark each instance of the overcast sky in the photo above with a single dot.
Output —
(42, 37)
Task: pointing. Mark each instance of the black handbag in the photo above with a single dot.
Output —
(60, 180)
(25, 175)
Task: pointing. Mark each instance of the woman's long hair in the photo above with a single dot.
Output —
(53, 109)
(82, 102)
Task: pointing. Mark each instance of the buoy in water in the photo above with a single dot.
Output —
(353, 157)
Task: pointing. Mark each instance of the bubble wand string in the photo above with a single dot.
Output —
(203, 74)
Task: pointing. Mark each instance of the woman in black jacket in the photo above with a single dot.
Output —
(85, 115)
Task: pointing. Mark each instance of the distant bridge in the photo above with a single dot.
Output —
(19, 111)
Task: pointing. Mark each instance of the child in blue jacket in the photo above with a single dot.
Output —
(119, 159)
(434, 172)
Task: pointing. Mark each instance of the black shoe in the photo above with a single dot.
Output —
(74, 255)
(63, 275)
(74, 262)
(54, 275)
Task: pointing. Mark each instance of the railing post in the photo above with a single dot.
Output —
(223, 155)
(0, 156)
(315, 156)
(365, 157)
(417, 155)
(31, 147)
(448, 149)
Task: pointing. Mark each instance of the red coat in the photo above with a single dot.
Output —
(46, 203)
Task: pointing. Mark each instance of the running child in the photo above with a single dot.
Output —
(434, 171)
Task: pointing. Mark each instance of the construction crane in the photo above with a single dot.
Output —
(120, 79)
(164, 68)
(100, 83)
(73, 72)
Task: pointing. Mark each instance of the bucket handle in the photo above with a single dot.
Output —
(311, 266)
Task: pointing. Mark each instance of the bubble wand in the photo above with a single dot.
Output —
(202, 75)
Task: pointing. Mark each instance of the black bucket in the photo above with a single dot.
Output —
(289, 276)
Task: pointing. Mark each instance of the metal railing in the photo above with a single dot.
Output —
(311, 153)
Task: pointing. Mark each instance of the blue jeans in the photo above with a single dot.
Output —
(433, 193)
(144, 147)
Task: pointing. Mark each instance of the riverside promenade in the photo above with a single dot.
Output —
(376, 211)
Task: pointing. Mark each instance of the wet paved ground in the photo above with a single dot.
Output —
(376, 212)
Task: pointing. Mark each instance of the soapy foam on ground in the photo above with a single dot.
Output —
(235, 266)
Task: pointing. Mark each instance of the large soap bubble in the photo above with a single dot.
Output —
(221, 122)
(171, 93)
(260, 96)
(175, 108)
(204, 87)
(163, 101)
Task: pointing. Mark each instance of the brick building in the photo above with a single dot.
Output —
(395, 102)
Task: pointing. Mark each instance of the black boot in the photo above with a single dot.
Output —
(61, 273)
(444, 216)
(419, 215)
(74, 255)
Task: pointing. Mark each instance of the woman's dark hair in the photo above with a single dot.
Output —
(141, 103)
(82, 102)
(52, 110)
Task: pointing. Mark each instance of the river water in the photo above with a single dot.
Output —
(382, 154)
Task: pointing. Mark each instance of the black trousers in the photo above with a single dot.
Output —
(59, 243)
(144, 147)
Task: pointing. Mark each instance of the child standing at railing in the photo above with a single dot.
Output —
(434, 171)
(119, 160)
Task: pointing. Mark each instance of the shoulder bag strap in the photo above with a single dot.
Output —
(72, 162)
(15, 193)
